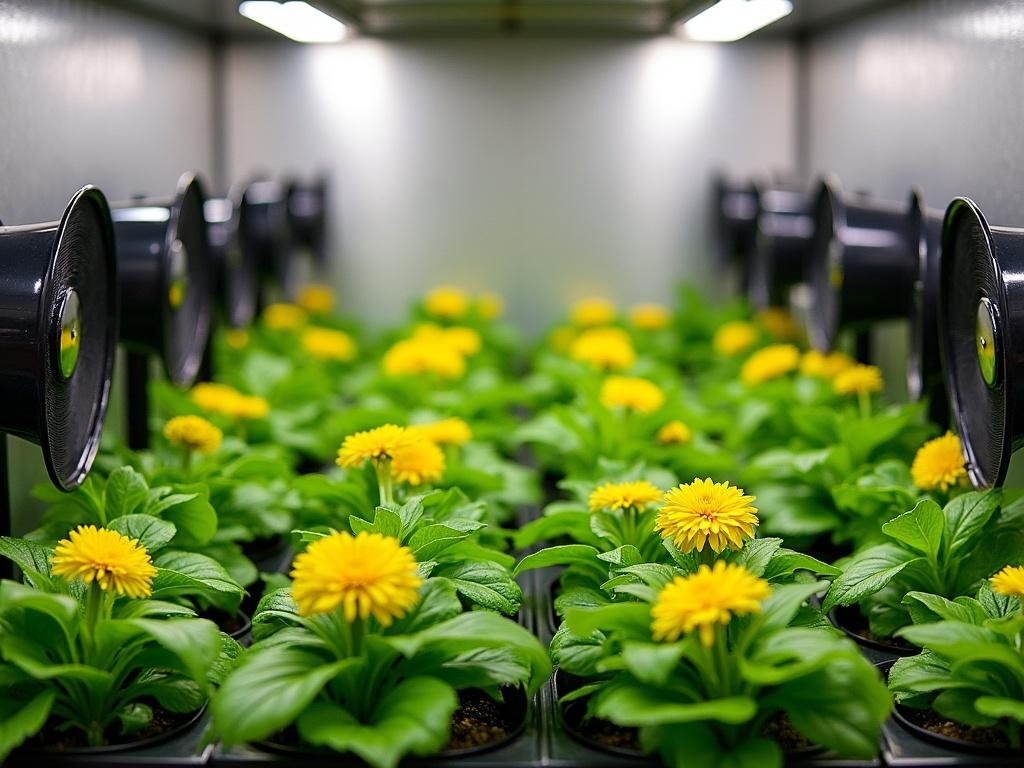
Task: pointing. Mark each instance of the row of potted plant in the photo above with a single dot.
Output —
(686, 617)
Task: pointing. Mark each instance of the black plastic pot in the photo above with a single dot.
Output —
(848, 619)
(182, 746)
(270, 555)
(907, 745)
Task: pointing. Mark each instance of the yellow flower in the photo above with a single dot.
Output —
(490, 306)
(328, 344)
(115, 562)
(638, 395)
(375, 444)
(561, 337)
(732, 338)
(779, 323)
(317, 299)
(649, 317)
(674, 433)
(638, 495)
(283, 317)
(770, 363)
(237, 338)
(706, 599)
(366, 575)
(417, 460)
(939, 463)
(452, 431)
(1009, 581)
(465, 341)
(590, 312)
(413, 356)
(220, 398)
(858, 380)
(609, 349)
(447, 303)
(248, 407)
(193, 433)
(706, 512)
(814, 363)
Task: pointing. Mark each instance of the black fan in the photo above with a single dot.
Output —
(863, 264)
(233, 266)
(784, 229)
(266, 228)
(307, 217)
(981, 319)
(58, 319)
(164, 276)
(924, 360)
(734, 215)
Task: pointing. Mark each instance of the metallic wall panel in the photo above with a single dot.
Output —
(543, 168)
(93, 95)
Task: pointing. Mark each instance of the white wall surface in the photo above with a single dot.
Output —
(546, 169)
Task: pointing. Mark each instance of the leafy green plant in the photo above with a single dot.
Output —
(702, 664)
(972, 667)
(942, 551)
(373, 671)
(91, 660)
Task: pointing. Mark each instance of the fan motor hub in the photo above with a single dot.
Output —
(69, 328)
(986, 339)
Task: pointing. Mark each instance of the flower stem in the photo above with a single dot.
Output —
(864, 398)
(186, 460)
(93, 605)
(383, 468)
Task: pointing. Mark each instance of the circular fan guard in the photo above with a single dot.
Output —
(57, 334)
(784, 230)
(981, 303)
(234, 270)
(164, 275)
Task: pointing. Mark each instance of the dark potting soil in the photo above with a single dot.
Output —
(934, 722)
(851, 619)
(610, 735)
(51, 738)
(780, 730)
(479, 721)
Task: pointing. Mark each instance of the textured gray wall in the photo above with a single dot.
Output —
(92, 95)
(543, 168)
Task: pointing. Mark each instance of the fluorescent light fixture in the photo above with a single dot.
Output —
(295, 19)
(729, 20)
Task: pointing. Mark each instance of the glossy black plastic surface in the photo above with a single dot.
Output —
(267, 229)
(164, 275)
(863, 262)
(307, 218)
(924, 358)
(734, 218)
(233, 261)
(42, 268)
(982, 267)
(781, 244)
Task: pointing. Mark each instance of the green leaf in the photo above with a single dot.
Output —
(134, 717)
(652, 663)
(269, 690)
(867, 573)
(786, 561)
(21, 721)
(33, 559)
(191, 513)
(636, 705)
(63, 609)
(152, 532)
(485, 583)
(413, 717)
(922, 673)
(784, 602)
(1000, 707)
(756, 554)
(126, 490)
(430, 541)
(925, 608)
(634, 619)
(967, 514)
(566, 554)
(438, 602)
(182, 572)
(195, 642)
(920, 529)
(573, 523)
